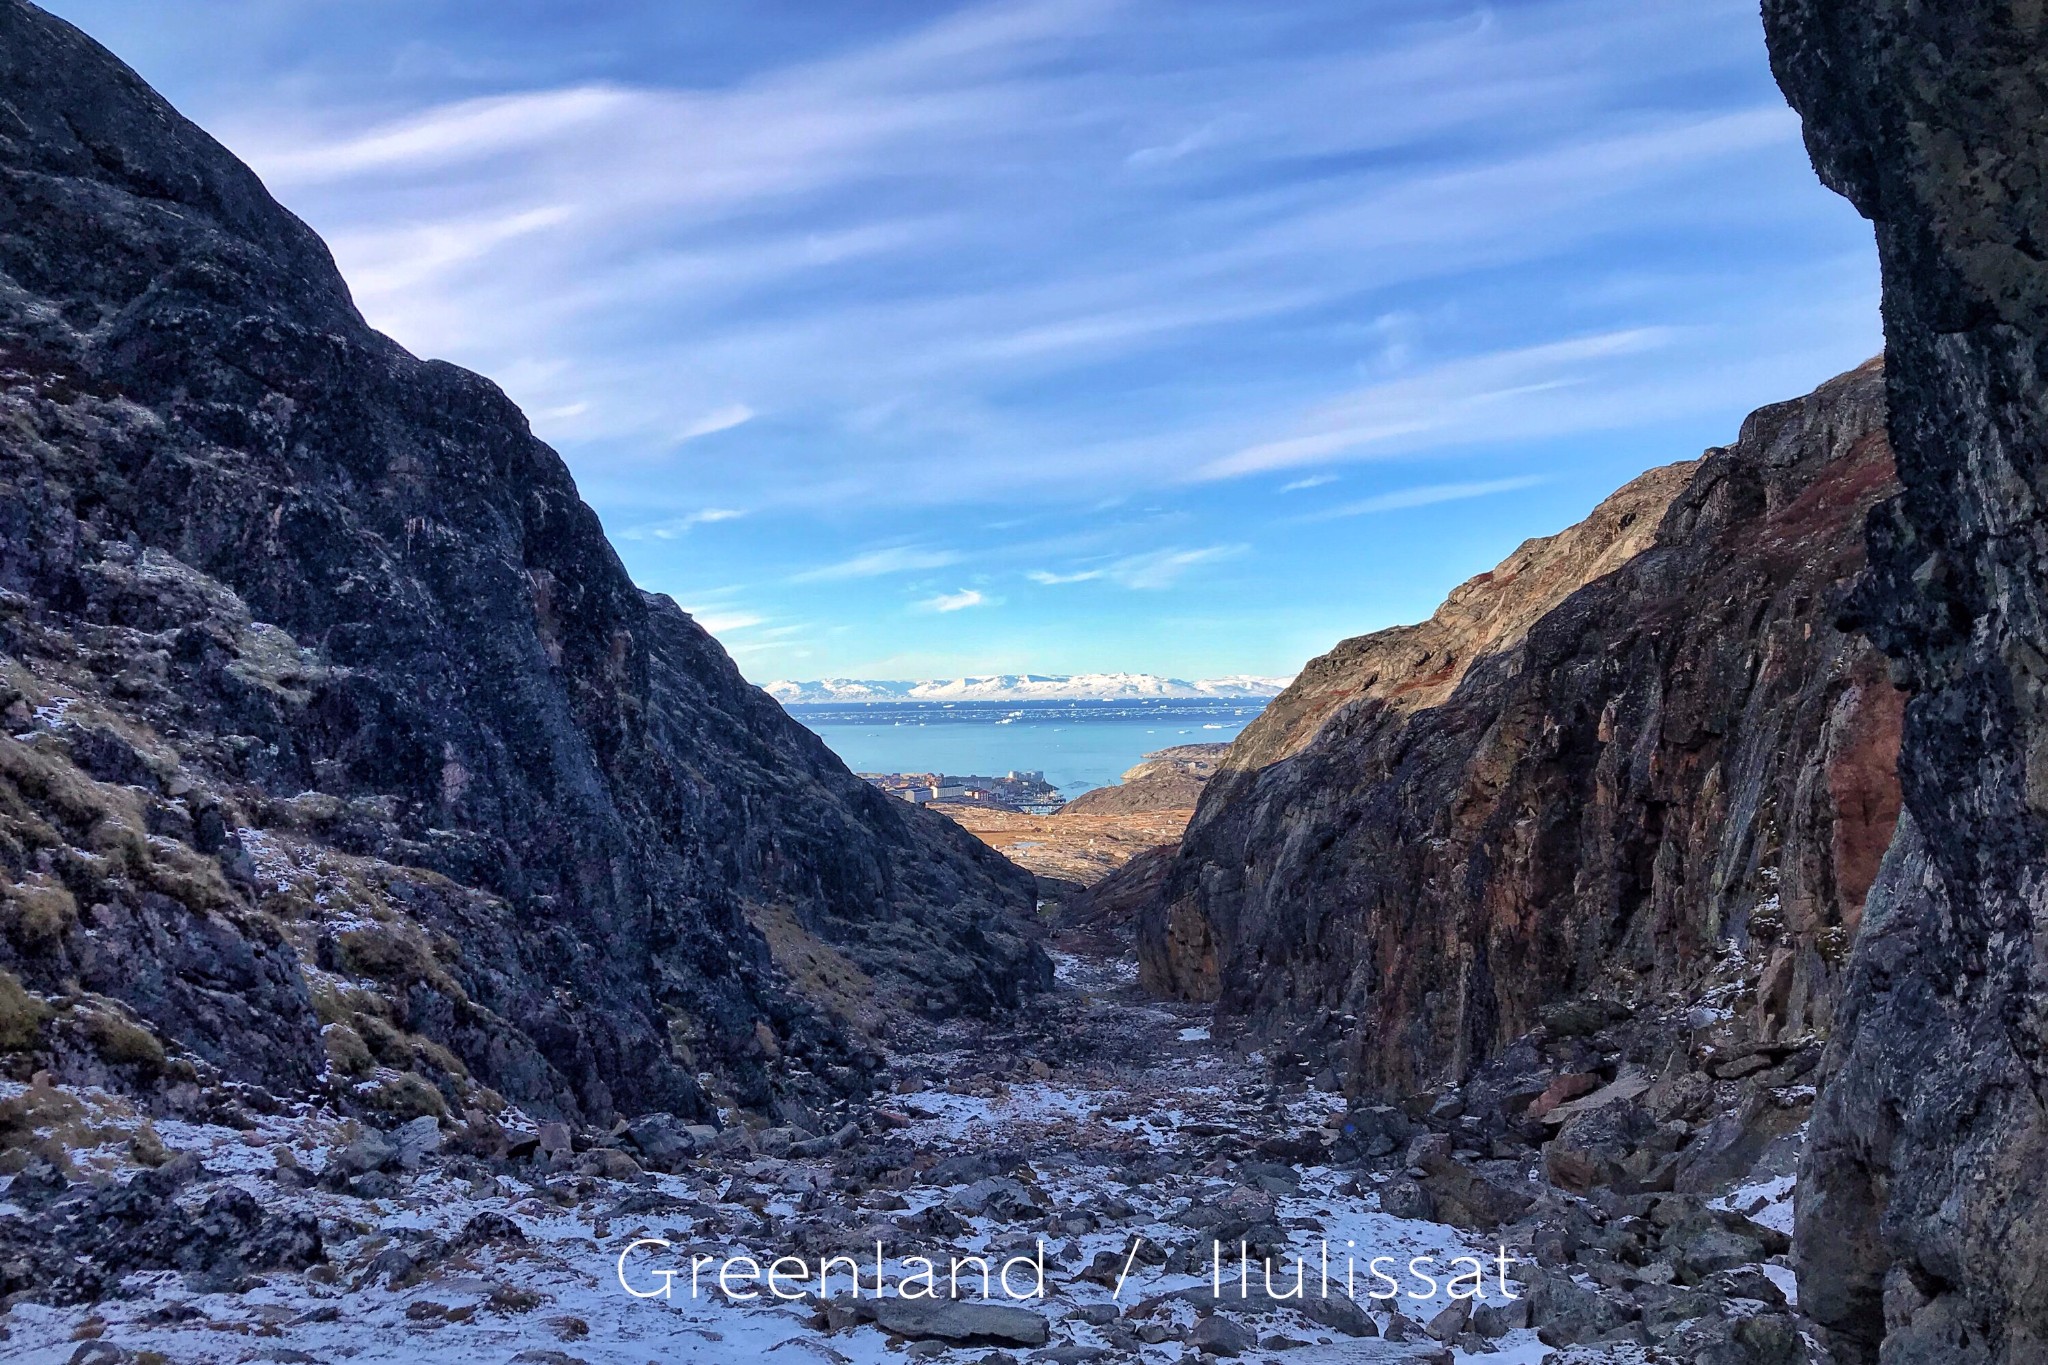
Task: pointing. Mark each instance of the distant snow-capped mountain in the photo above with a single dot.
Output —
(1026, 687)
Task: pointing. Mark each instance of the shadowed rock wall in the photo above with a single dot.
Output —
(1923, 1200)
(342, 751)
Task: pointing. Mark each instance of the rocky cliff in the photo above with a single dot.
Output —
(1636, 761)
(342, 753)
(1923, 1203)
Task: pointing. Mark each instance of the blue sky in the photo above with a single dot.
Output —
(1179, 336)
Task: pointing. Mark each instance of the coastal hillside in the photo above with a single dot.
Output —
(1923, 1212)
(1171, 779)
(342, 755)
(1639, 762)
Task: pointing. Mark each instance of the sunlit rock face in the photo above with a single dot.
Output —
(1638, 760)
(342, 751)
(1922, 1218)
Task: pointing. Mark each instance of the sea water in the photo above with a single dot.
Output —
(1076, 744)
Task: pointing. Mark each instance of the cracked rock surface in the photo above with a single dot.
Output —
(1924, 1206)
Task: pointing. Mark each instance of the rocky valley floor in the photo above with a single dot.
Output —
(1071, 848)
(1110, 1128)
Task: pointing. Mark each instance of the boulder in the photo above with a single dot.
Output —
(1566, 1313)
(1334, 1310)
(962, 1321)
(665, 1141)
(1450, 1321)
(1469, 1197)
(1593, 1149)
(1222, 1336)
(1405, 1198)
(1732, 1145)
(416, 1140)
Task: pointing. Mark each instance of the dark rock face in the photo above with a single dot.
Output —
(340, 743)
(1924, 1194)
(1633, 755)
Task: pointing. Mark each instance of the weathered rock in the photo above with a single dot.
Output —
(1730, 1145)
(1220, 1335)
(1450, 1321)
(358, 611)
(1594, 1148)
(1405, 1198)
(955, 1320)
(415, 1140)
(1922, 1204)
(1631, 746)
(1491, 1320)
(665, 1140)
(1566, 1313)
(78, 1249)
(1334, 1310)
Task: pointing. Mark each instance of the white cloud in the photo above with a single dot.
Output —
(722, 419)
(1484, 395)
(1426, 495)
(876, 563)
(1164, 568)
(386, 260)
(676, 527)
(954, 601)
(1313, 481)
(442, 136)
(1050, 579)
(961, 206)
(719, 624)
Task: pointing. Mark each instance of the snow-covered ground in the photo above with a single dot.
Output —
(555, 1296)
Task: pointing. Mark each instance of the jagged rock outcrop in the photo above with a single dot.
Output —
(1171, 779)
(341, 749)
(1923, 1200)
(1633, 754)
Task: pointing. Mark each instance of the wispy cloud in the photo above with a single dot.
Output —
(719, 624)
(1163, 568)
(954, 601)
(881, 241)
(1425, 495)
(722, 419)
(876, 563)
(1082, 264)
(676, 527)
(443, 136)
(1460, 399)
